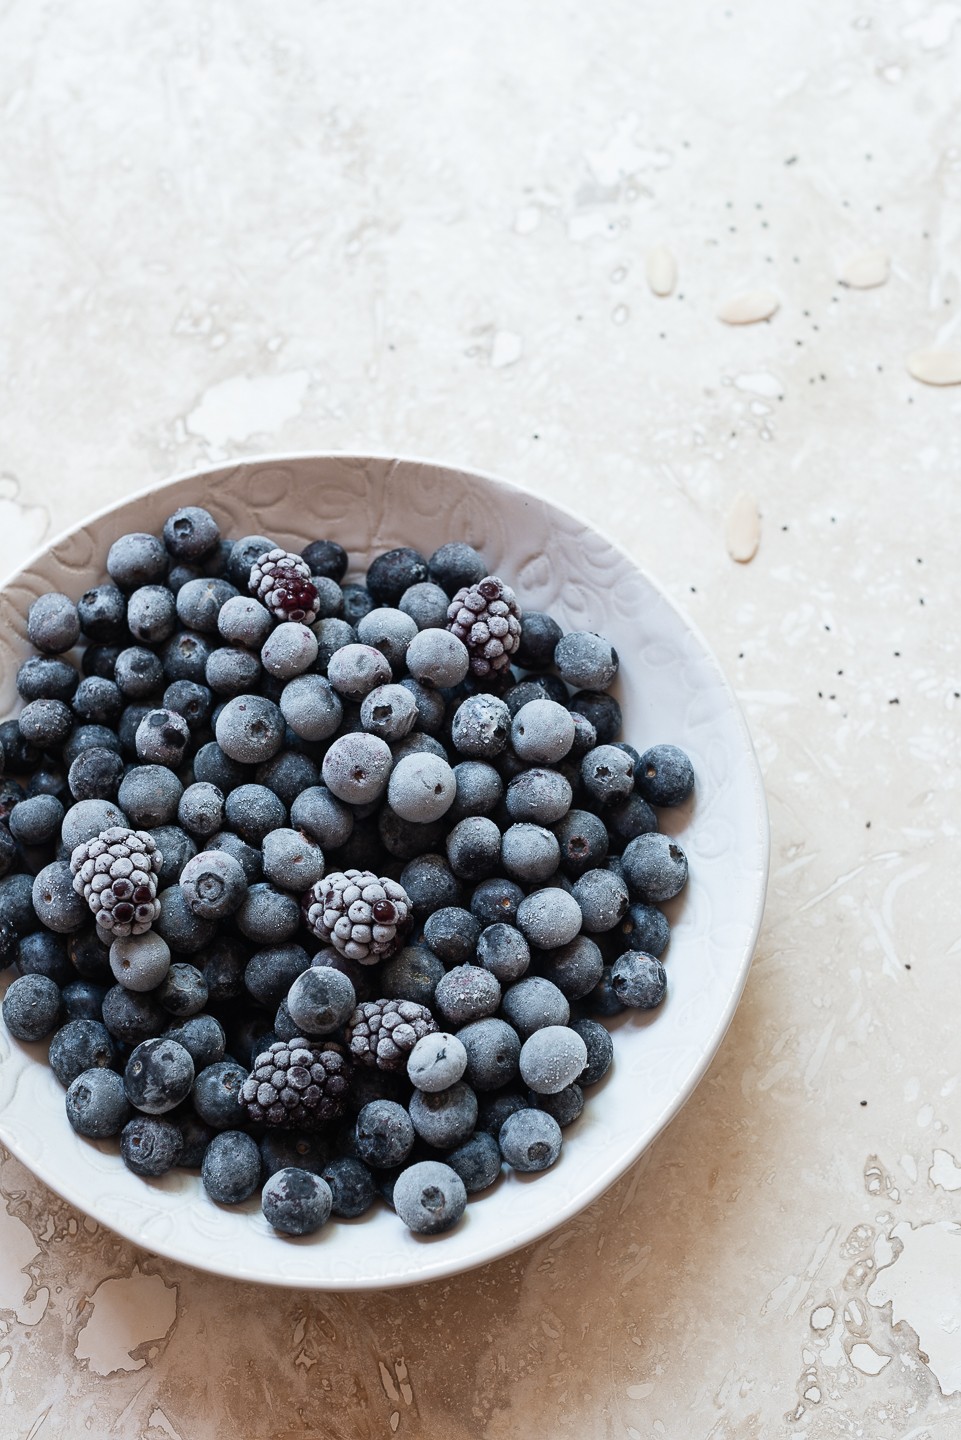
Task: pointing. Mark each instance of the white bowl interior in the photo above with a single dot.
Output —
(671, 689)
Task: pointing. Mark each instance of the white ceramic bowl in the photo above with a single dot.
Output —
(671, 689)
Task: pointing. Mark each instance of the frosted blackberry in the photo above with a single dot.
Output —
(116, 873)
(295, 1084)
(281, 581)
(361, 916)
(382, 1033)
(487, 618)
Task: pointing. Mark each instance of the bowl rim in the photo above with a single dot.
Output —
(437, 1269)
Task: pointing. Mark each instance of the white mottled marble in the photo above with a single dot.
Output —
(425, 230)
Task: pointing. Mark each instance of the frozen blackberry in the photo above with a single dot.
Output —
(281, 581)
(487, 618)
(382, 1033)
(361, 916)
(116, 873)
(456, 565)
(326, 557)
(190, 532)
(296, 1084)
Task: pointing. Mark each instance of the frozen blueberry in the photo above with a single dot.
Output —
(17, 755)
(474, 848)
(352, 1186)
(417, 743)
(552, 1058)
(83, 1000)
(630, 817)
(503, 951)
(455, 565)
(603, 898)
(138, 672)
(53, 624)
(354, 670)
(585, 661)
(600, 1050)
(429, 1197)
(477, 1161)
(328, 820)
(291, 859)
(453, 934)
(538, 795)
(183, 991)
(607, 773)
(383, 1134)
(289, 650)
(603, 999)
(202, 1036)
(97, 701)
(151, 614)
(271, 972)
(412, 974)
(389, 711)
(201, 809)
(583, 841)
(150, 1146)
(529, 852)
(481, 727)
(184, 930)
(57, 904)
(320, 1000)
(530, 1140)
(287, 774)
(495, 900)
(393, 572)
(36, 821)
(295, 1202)
(297, 1149)
(231, 671)
(254, 811)
(493, 1053)
(437, 658)
(426, 604)
(536, 687)
(585, 736)
(574, 968)
(231, 1167)
(140, 962)
(357, 768)
(242, 620)
(42, 678)
(31, 1007)
(102, 612)
(639, 980)
(549, 918)
(132, 1016)
(311, 707)
(430, 884)
(479, 789)
(603, 712)
(655, 868)
(162, 738)
(97, 1104)
(213, 765)
(539, 639)
(199, 603)
(390, 631)
(149, 795)
(665, 775)
(195, 1137)
(542, 732)
(216, 1094)
(563, 1105)
(44, 953)
(467, 993)
(250, 729)
(246, 550)
(326, 557)
(436, 1062)
(190, 532)
(534, 1003)
(127, 726)
(332, 635)
(444, 1118)
(158, 1075)
(185, 656)
(176, 848)
(46, 723)
(646, 928)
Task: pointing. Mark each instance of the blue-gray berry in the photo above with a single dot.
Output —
(291, 859)
(437, 658)
(600, 1050)
(31, 1007)
(140, 962)
(36, 821)
(437, 1061)
(444, 1118)
(162, 738)
(45, 723)
(585, 661)
(213, 885)
(158, 1076)
(477, 1161)
(202, 1036)
(151, 614)
(383, 1134)
(564, 1105)
(530, 1140)
(216, 1094)
(655, 868)
(97, 1104)
(456, 564)
(429, 1197)
(231, 1167)
(150, 1146)
(242, 620)
(199, 603)
(295, 1202)
(183, 990)
(467, 993)
(534, 1003)
(426, 604)
(549, 918)
(538, 795)
(311, 707)
(529, 852)
(271, 972)
(53, 624)
(357, 768)
(149, 796)
(328, 820)
(493, 1053)
(231, 671)
(390, 631)
(481, 727)
(412, 974)
(320, 1000)
(201, 809)
(250, 729)
(421, 788)
(352, 1186)
(665, 775)
(452, 933)
(639, 980)
(190, 532)
(479, 789)
(574, 968)
(602, 897)
(389, 711)
(289, 650)
(542, 732)
(552, 1058)
(57, 904)
(183, 929)
(354, 670)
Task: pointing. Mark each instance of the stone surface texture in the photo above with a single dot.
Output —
(424, 230)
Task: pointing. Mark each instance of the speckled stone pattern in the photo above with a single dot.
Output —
(429, 231)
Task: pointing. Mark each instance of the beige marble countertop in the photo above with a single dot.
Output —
(425, 229)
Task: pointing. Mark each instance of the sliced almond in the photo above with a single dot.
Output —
(743, 528)
(748, 308)
(661, 270)
(936, 367)
(864, 271)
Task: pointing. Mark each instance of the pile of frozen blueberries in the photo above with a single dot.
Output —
(324, 888)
